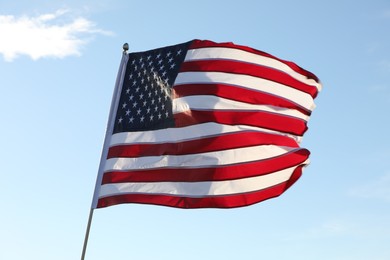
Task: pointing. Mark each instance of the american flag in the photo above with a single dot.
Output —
(206, 125)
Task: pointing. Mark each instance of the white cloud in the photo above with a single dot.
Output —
(386, 14)
(330, 228)
(385, 65)
(49, 35)
(375, 189)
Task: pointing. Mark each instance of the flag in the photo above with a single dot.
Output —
(205, 125)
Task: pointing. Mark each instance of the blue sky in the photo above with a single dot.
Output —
(58, 64)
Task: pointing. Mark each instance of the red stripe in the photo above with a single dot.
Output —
(252, 118)
(255, 70)
(224, 172)
(208, 144)
(197, 44)
(228, 201)
(238, 94)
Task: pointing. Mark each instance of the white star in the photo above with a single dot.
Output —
(139, 111)
(148, 110)
(178, 52)
(131, 119)
(120, 120)
(127, 112)
(151, 117)
(159, 115)
(172, 65)
(124, 105)
(135, 104)
(131, 97)
(159, 82)
(142, 118)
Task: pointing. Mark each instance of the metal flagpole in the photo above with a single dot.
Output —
(87, 234)
(107, 139)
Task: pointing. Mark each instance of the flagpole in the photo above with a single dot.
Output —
(107, 139)
(87, 234)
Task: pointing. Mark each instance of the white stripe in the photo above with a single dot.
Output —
(199, 189)
(254, 83)
(244, 56)
(187, 133)
(187, 103)
(225, 157)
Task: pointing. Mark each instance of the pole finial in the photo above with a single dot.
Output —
(125, 47)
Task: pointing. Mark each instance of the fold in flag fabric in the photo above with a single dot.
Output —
(205, 125)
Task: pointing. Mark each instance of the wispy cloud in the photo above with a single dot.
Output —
(375, 189)
(385, 65)
(370, 230)
(330, 228)
(386, 14)
(55, 34)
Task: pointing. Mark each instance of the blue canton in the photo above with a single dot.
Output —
(145, 102)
